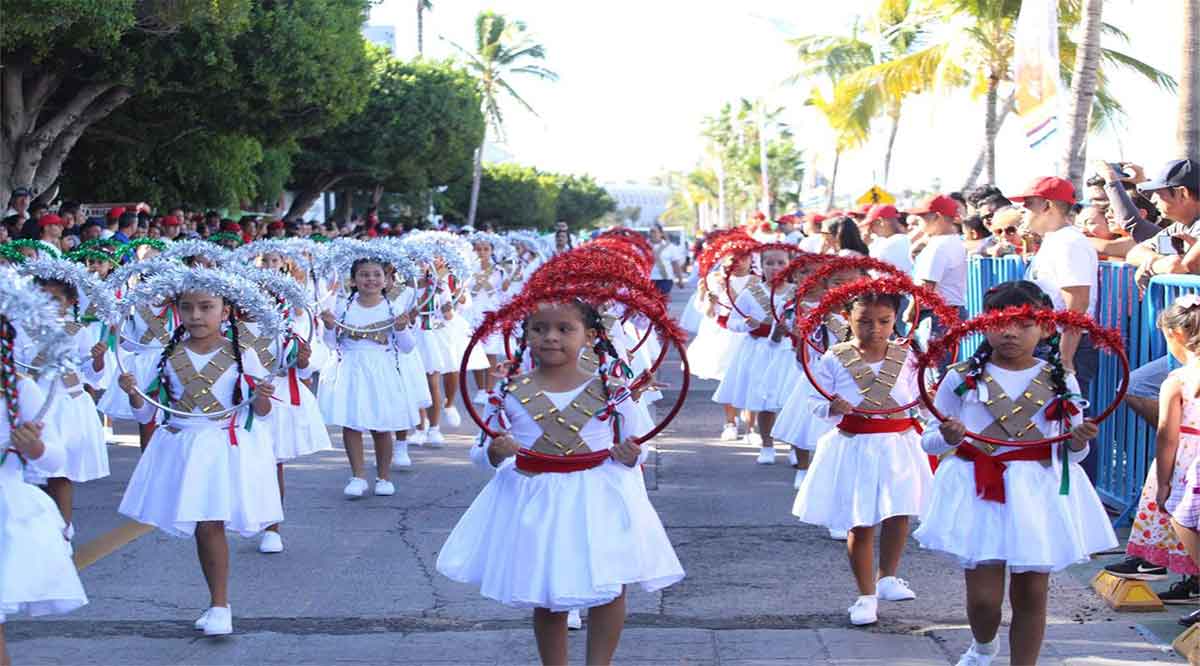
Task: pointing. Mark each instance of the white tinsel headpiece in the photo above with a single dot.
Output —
(237, 290)
(502, 250)
(306, 253)
(121, 275)
(98, 293)
(341, 253)
(33, 311)
(195, 247)
(455, 251)
(278, 285)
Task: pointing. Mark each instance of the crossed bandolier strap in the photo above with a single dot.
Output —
(560, 428)
(759, 293)
(1012, 420)
(156, 327)
(69, 379)
(262, 345)
(196, 387)
(483, 281)
(875, 389)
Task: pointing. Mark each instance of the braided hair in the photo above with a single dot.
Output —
(237, 356)
(167, 352)
(1016, 294)
(8, 371)
(602, 348)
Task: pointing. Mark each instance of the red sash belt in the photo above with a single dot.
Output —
(723, 321)
(538, 463)
(761, 332)
(1188, 430)
(989, 470)
(855, 424)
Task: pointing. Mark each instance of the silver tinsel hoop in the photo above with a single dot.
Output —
(198, 248)
(340, 255)
(121, 275)
(456, 251)
(244, 295)
(302, 251)
(33, 311)
(98, 293)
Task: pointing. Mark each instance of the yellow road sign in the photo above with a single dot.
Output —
(876, 195)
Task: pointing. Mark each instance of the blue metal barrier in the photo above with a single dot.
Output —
(983, 273)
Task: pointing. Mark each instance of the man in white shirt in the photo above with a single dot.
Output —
(668, 261)
(891, 242)
(942, 263)
(812, 241)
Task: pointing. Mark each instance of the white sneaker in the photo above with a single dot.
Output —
(839, 535)
(400, 455)
(754, 439)
(271, 543)
(729, 433)
(894, 589)
(434, 438)
(384, 488)
(480, 398)
(202, 620)
(219, 622)
(979, 655)
(864, 611)
(356, 488)
(451, 416)
(417, 437)
(796, 482)
(766, 456)
(574, 619)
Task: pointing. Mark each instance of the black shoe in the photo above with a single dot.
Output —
(1186, 591)
(1190, 619)
(1135, 568)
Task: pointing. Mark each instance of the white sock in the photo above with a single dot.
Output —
(987, 648)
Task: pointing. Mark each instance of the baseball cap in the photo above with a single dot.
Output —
(937, 203)
(1050, 188)
(817, 217)
(169, 221)
(115, 213)
(882, 211)
(47, 220)
(22, 192)
(1177, 173)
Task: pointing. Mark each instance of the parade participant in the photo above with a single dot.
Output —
(206, 469)
(890, 240)
(535, 537)
(488, 289)
(366, 391)
(436, 306)
(764, 365)
(37, 575)
(714, 346)
(1003, 508)
(867, 471)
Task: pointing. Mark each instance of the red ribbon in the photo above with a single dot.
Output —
(293, 386)
(723, 321)
(856, 424)
(989, 470)
(533, 462)
(1060, 408)
(761, 332)
(1188, 430)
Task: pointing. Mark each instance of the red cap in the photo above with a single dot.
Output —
(787, 219)
(233, 228)
(277, 224)
(863, 209)
(758, 215)
(1050, 188)
(882, 211)
(817, 217)
(938, 203)
(764, 228)
(47, 220)
(169, 221)
(114, 213)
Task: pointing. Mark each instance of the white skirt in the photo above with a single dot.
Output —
(196, 475)
(796, 424)
(711, 351)
(367, 392)
(561, 541)
(413, 372)
(860, 480)
(436, 348)
(461, 332)
(294, 430)
(114, 402)
(691, 316)
(37, 575)
(758, 375)
(82, 433)
(1036, 529)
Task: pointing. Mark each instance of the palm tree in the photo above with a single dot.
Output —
(850, 126)
(422, 7)
(503, 49)
(1188, 130)
(1083, 89)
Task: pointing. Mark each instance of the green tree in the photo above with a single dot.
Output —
(581, 201)
(510, 197)
(202, 74)
(504, 50)
(419, 129)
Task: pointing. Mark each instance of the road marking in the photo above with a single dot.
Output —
(108, 543)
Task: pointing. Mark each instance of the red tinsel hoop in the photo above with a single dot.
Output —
(836, 298)
(740, 252)
(802, 261)
(620, 246)
(714, 248)
(1108, 339)
(632, 237)
(528, 302)
(837, 265)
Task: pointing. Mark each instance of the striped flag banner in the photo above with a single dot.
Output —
(1035, 65)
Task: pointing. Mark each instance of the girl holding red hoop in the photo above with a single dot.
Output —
(713, 347)
(997, 508)
(561, 525)
(868, 470)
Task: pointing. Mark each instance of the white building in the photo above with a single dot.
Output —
(651, 199)
(382, 35)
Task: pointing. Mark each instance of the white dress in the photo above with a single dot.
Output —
(761, 371)
(796, 424)
(73, 413)
(295, 426)
(192, 471)
(561, 540)
(712, 349)
(366, 390)
(1036, 528)
(435, 339)
(487, 295)
(860, 480)
(139, 359)
(37, 575)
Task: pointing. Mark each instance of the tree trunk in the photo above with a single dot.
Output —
(990, 129)
(1187, 133)
(349, 210)
(310, 192)
(763, 167)
(973, 177)
(1083, 90)
(837, 160)
(420, 28)
(476, 179)
(894, 114)
(377, 195)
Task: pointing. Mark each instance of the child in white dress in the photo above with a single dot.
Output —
(868, 470)
(711, 351)
(1007, 508)
(565, 521)
(1179, 428)
(201, 475)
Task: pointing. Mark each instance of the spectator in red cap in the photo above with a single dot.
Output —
(276, 229)
(170, 227)
(50, 230)
(813, 242)
(942, 264)
(1065, 267)
(890, 241)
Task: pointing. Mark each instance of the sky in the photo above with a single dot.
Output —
(636, 78)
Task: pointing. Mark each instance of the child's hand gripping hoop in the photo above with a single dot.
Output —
(741, 251)
(836, 298)
(834, 265)
(1108, 339)
(527, 303)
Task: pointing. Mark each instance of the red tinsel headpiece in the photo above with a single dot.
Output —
(1106, 338)
(714, 245)
(892, 284)
(715, 256)
(632, 237)
(839, 264)
(801, 261)
(623, 246)
(592, 265)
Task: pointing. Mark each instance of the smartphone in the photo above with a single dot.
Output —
(1167, 245)
(1116, 166)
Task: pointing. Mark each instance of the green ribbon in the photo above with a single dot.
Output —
(1064, 485)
